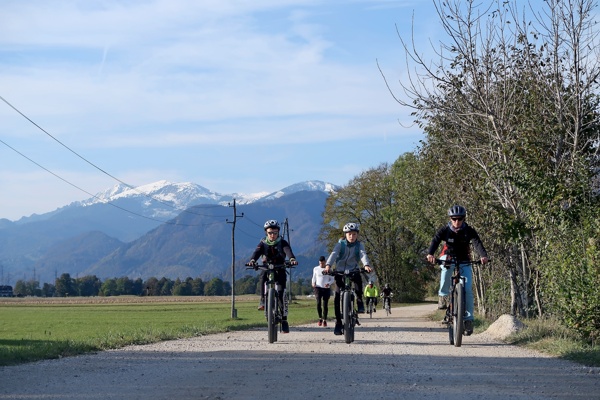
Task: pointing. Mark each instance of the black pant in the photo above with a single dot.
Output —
(339, 283)
(280, 278)
(322, 295)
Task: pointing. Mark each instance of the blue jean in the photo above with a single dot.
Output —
(446, 280)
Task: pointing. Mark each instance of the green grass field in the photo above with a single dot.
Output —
(52, 328)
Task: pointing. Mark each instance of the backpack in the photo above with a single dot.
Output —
(343, 250)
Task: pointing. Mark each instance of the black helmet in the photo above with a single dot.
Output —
(457, 211)
(351, 227)
(272, 223)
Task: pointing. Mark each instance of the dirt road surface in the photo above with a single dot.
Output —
(402, 356)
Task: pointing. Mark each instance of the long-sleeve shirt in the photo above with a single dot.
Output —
(371, 291)
(349, 259)
(319, 280)
(275, 253)
(457, 242)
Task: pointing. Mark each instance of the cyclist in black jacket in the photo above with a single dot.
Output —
(273, 249)
(458, 237)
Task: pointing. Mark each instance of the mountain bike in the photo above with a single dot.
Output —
(348, 302)
(455, 313)
(387, 306)
(273, 304)
(370, 306)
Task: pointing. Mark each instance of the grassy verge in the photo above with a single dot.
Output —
(546, 336)
(45, 330)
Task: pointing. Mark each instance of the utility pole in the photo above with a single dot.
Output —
(235, 217)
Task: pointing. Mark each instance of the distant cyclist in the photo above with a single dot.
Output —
(371, 293)
(386, 293)
(458, 237)
(353, 253)
(274, 250)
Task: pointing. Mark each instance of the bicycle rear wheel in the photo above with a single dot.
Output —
(272, 315)
(458, 313)
(347, 310)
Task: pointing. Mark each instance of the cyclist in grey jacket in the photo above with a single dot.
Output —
(353, 252)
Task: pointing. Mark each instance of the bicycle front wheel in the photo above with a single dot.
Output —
(458, 313)
(272, 315)
(347, 311)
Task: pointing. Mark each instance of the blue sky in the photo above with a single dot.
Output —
(236, 96)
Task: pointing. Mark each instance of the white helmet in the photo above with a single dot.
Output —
(351, 227)
(272, 223)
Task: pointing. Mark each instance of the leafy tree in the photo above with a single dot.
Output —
(215, 287)
(88, 285)
(65, 286)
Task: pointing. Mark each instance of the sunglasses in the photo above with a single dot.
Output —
(272, 232)
(457, 218)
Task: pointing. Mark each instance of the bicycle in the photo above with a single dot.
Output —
(273, 306)
(455, 313)
(387, 303)
(370, 306)
(348, 303)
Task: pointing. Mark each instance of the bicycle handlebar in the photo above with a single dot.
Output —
(448, 263)
(268, 266)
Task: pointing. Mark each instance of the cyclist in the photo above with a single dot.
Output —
(386, 293)
(458, 236)
(353, 253)
(274, 250)
(371, 293)
(322, 286)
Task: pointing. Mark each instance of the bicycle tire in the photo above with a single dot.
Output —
(387, 307)
(370, 308)
(347, 317)
(458, 313)
(272, 315)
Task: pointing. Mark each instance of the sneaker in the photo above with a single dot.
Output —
(285, 327)
(325, 323)
(338, 330)
(442, 302)
(374, 310)
(468, 328)
(261, 305)
(320, 323)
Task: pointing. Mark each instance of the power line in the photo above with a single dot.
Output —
(103, 200)
(90, 163)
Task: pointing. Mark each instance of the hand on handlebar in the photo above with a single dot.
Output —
(253, 264)
(431, 258)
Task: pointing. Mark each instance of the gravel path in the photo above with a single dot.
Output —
(401, 356)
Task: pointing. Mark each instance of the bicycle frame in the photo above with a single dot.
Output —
(273, 305)
(456, 311)
(348, 303)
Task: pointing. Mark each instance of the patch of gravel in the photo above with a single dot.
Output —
(503, 327)
(404, 355)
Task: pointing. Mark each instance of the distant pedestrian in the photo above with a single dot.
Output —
(322, 286)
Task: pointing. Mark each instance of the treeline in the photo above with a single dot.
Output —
(91, 285)
(512, 132)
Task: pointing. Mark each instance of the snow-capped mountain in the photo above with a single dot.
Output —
(153, 229)
(164, 199)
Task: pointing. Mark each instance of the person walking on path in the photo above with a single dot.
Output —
(322, 287)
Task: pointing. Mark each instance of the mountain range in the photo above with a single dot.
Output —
(163, 229)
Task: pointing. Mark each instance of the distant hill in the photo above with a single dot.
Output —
(158, 235)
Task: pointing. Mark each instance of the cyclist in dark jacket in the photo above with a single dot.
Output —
(458, 237)
(273, 249)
